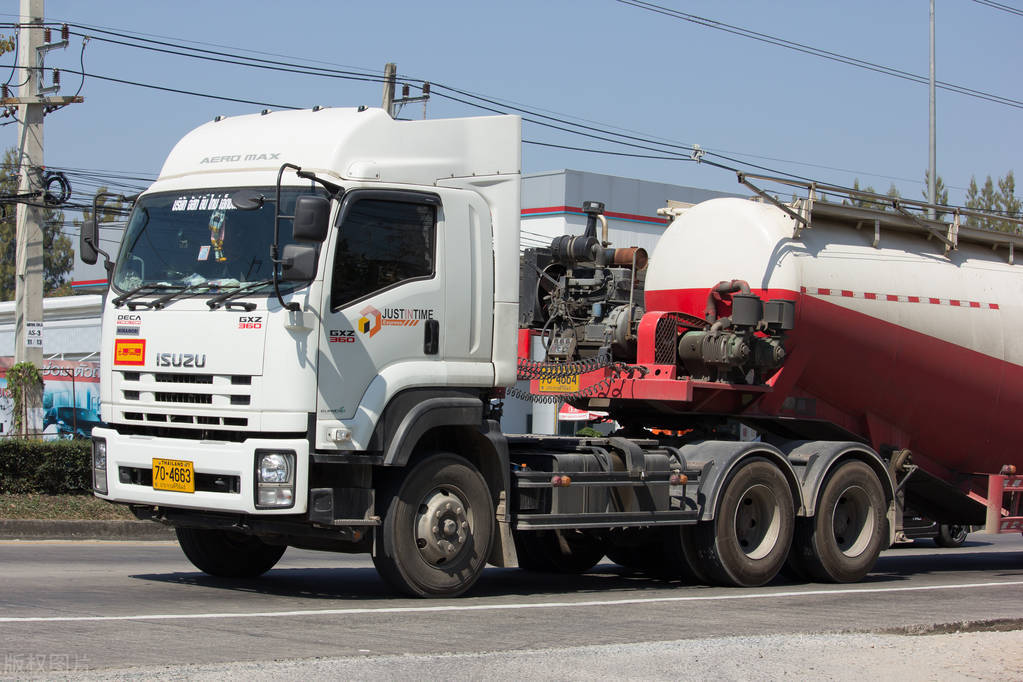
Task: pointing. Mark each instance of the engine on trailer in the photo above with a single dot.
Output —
(586, 300)
(584, 297)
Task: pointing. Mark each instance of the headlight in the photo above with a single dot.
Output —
(274, 469)
(99, 466)
(275, 480)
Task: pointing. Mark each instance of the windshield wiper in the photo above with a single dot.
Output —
(141, 291)
(225, 299)
(166, 298)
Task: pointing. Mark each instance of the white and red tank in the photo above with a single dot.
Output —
(897, 342)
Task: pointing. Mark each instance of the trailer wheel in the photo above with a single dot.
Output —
(228, 554)
(437, 528)
(841, 542)
(557, 551)
(749, 538)
(951, 535)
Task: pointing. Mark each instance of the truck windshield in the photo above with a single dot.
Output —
(199, 240)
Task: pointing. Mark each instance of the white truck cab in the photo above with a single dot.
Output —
(234, 384)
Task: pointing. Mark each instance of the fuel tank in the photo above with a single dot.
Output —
(896, 338)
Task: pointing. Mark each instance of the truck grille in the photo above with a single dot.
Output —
(167, 400)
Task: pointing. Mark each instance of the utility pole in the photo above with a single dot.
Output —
(390, 74)
(32, 101)
(932, 180)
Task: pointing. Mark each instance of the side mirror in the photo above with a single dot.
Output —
(87, 239)
(311, 219)
(247, 200)
(299, 262)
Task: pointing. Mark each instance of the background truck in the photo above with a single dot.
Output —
(314, 316)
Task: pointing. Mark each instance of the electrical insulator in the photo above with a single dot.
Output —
(426, 88)
(56, 76)
(6, 91)
(65, 32)
(404, 90)
(46, 35)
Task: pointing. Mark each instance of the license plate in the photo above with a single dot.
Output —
(177, 475)
(569, 385)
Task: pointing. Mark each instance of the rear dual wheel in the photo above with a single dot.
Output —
(748, 541)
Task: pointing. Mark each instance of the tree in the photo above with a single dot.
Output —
(940, 193)
(111, 210)
(863, 202)
(58, 256)
(994, 197)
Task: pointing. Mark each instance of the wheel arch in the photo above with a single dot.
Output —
(721, 458)
(817, 460)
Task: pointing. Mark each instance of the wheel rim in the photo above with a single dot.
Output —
(958, 533)
(442, 526)
(852, 521)
(757, 521)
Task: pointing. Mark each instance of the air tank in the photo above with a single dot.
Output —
(895, 339)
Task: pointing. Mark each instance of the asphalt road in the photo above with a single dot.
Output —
(80, 606)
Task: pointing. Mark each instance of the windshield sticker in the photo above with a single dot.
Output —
(204, 252)
(203, 202)
(217, 236)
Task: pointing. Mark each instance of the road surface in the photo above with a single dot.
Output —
(123, 608)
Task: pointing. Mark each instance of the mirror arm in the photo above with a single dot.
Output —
(108, 264)
(275, 249)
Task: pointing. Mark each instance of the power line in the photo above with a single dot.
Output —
(1000, 6)
(818, 52)
(180, 91)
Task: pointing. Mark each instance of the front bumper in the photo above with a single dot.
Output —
(229, 467)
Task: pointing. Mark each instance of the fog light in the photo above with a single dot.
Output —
(274, 469)
(275, 497)
(99, 466)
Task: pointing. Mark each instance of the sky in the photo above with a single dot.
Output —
(603, 63)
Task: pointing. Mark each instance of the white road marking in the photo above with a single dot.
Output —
(509, 607)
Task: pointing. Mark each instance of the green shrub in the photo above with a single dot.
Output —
(51, 468)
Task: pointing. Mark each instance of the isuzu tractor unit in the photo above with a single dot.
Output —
(314, 317)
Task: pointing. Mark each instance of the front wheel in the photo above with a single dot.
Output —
(437, 529)
(748, 540)
(228, 554)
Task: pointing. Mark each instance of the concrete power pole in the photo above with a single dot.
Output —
(390, 75)
(932, 195)
(31, 101)
(29, 273)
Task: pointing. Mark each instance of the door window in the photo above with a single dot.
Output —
(381, 244)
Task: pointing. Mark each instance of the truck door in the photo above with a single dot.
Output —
(385, 309)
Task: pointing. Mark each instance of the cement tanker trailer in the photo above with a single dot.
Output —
(876, 354)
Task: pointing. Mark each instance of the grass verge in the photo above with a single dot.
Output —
(82, 507)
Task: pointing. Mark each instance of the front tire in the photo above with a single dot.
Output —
(227, 554)
(748, 541)
(437, 529)
(840, 544)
